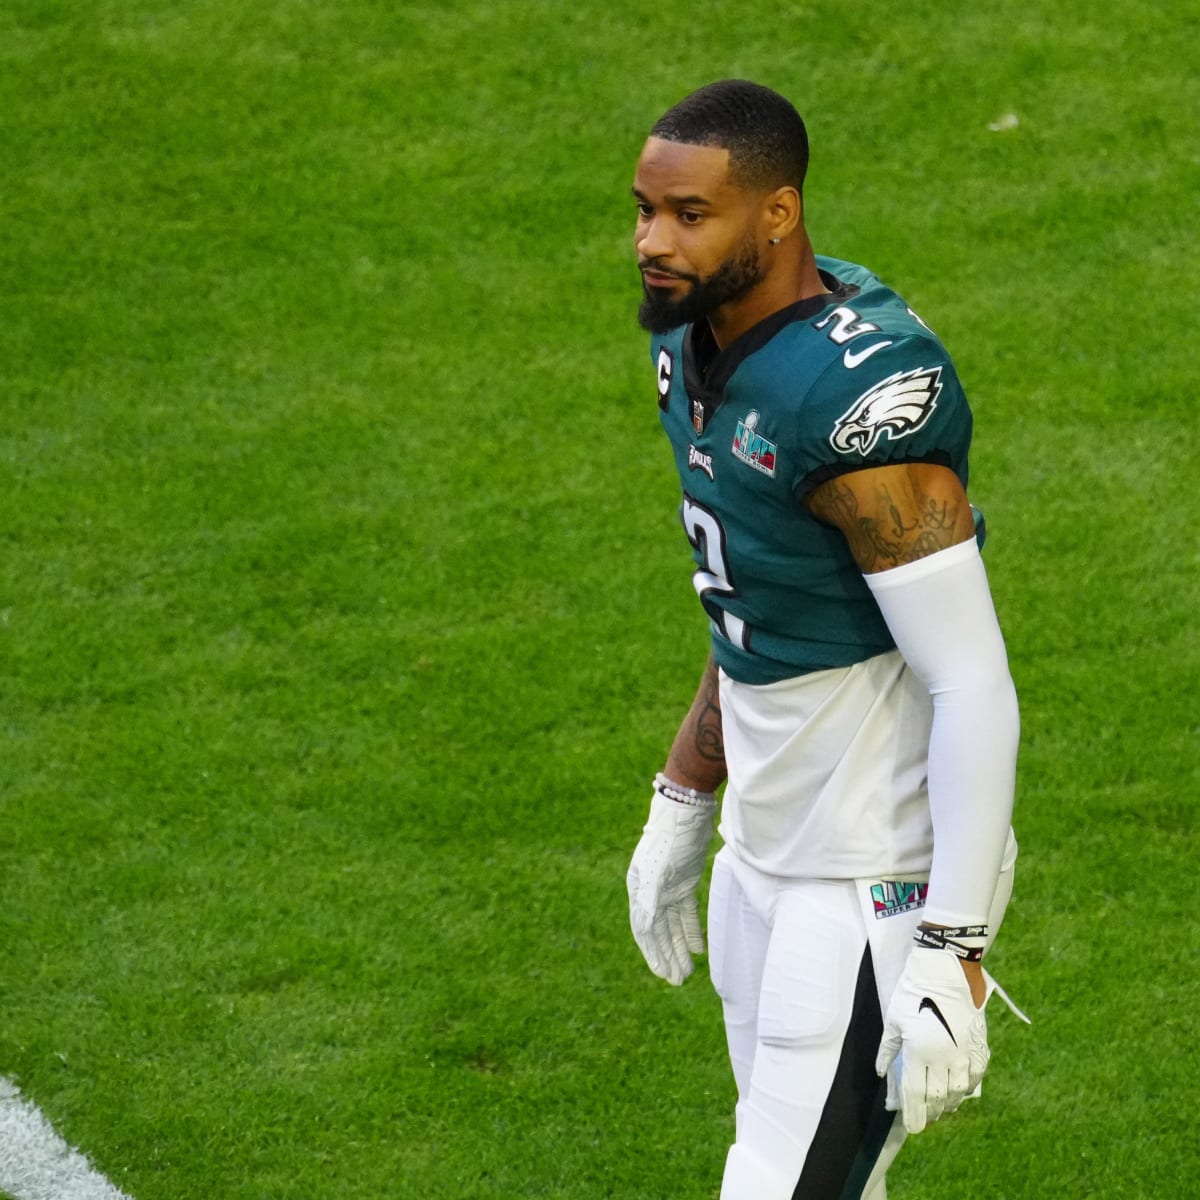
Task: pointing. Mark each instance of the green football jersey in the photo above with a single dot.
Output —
(829, 385)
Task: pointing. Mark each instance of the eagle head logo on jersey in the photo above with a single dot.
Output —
(897, 406)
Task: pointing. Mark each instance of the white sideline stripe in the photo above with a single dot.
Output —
(36, 1164)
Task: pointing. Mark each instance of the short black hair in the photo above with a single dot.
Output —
(764, 134)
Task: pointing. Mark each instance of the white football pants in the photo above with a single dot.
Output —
(804, 969)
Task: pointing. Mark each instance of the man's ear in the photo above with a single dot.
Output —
(784, 212)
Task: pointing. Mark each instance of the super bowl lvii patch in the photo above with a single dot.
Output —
(892, 897)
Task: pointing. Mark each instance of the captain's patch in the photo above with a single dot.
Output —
(666, 368)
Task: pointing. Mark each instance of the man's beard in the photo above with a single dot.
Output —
(660, 311)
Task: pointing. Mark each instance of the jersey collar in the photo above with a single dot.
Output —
(706, 370)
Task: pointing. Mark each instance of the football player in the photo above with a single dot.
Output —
(857, 704)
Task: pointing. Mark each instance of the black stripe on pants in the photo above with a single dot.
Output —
(854, 1123)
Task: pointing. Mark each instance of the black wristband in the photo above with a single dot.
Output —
(939, 939)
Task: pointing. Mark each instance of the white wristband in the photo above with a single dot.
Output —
(683, 795)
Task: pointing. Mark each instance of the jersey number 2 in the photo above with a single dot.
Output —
(711, 578)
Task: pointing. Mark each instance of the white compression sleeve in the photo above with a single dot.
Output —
(939, 610)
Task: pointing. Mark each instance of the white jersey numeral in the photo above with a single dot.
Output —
(706, 533)
(846, 324)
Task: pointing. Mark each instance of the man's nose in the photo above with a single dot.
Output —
(651, 240)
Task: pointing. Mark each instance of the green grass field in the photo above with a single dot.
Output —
(344, 614)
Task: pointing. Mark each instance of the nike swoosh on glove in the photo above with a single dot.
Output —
(934, 1049)
(662, 881)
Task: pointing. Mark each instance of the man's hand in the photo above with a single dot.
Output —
(934, 1049)
(663, 878)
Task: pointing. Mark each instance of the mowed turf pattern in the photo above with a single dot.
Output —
(345, 615)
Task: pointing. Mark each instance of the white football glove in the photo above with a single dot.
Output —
(662, 882)
(934, 1050)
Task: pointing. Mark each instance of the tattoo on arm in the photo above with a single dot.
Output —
(899, 527)
(709, 736)
(697, 757)
(890, 528)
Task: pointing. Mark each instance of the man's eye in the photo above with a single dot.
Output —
(690, 218)
(644, 210)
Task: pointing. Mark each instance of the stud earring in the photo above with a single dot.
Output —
(775, 241)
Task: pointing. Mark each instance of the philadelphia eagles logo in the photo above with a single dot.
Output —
(898, 406)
